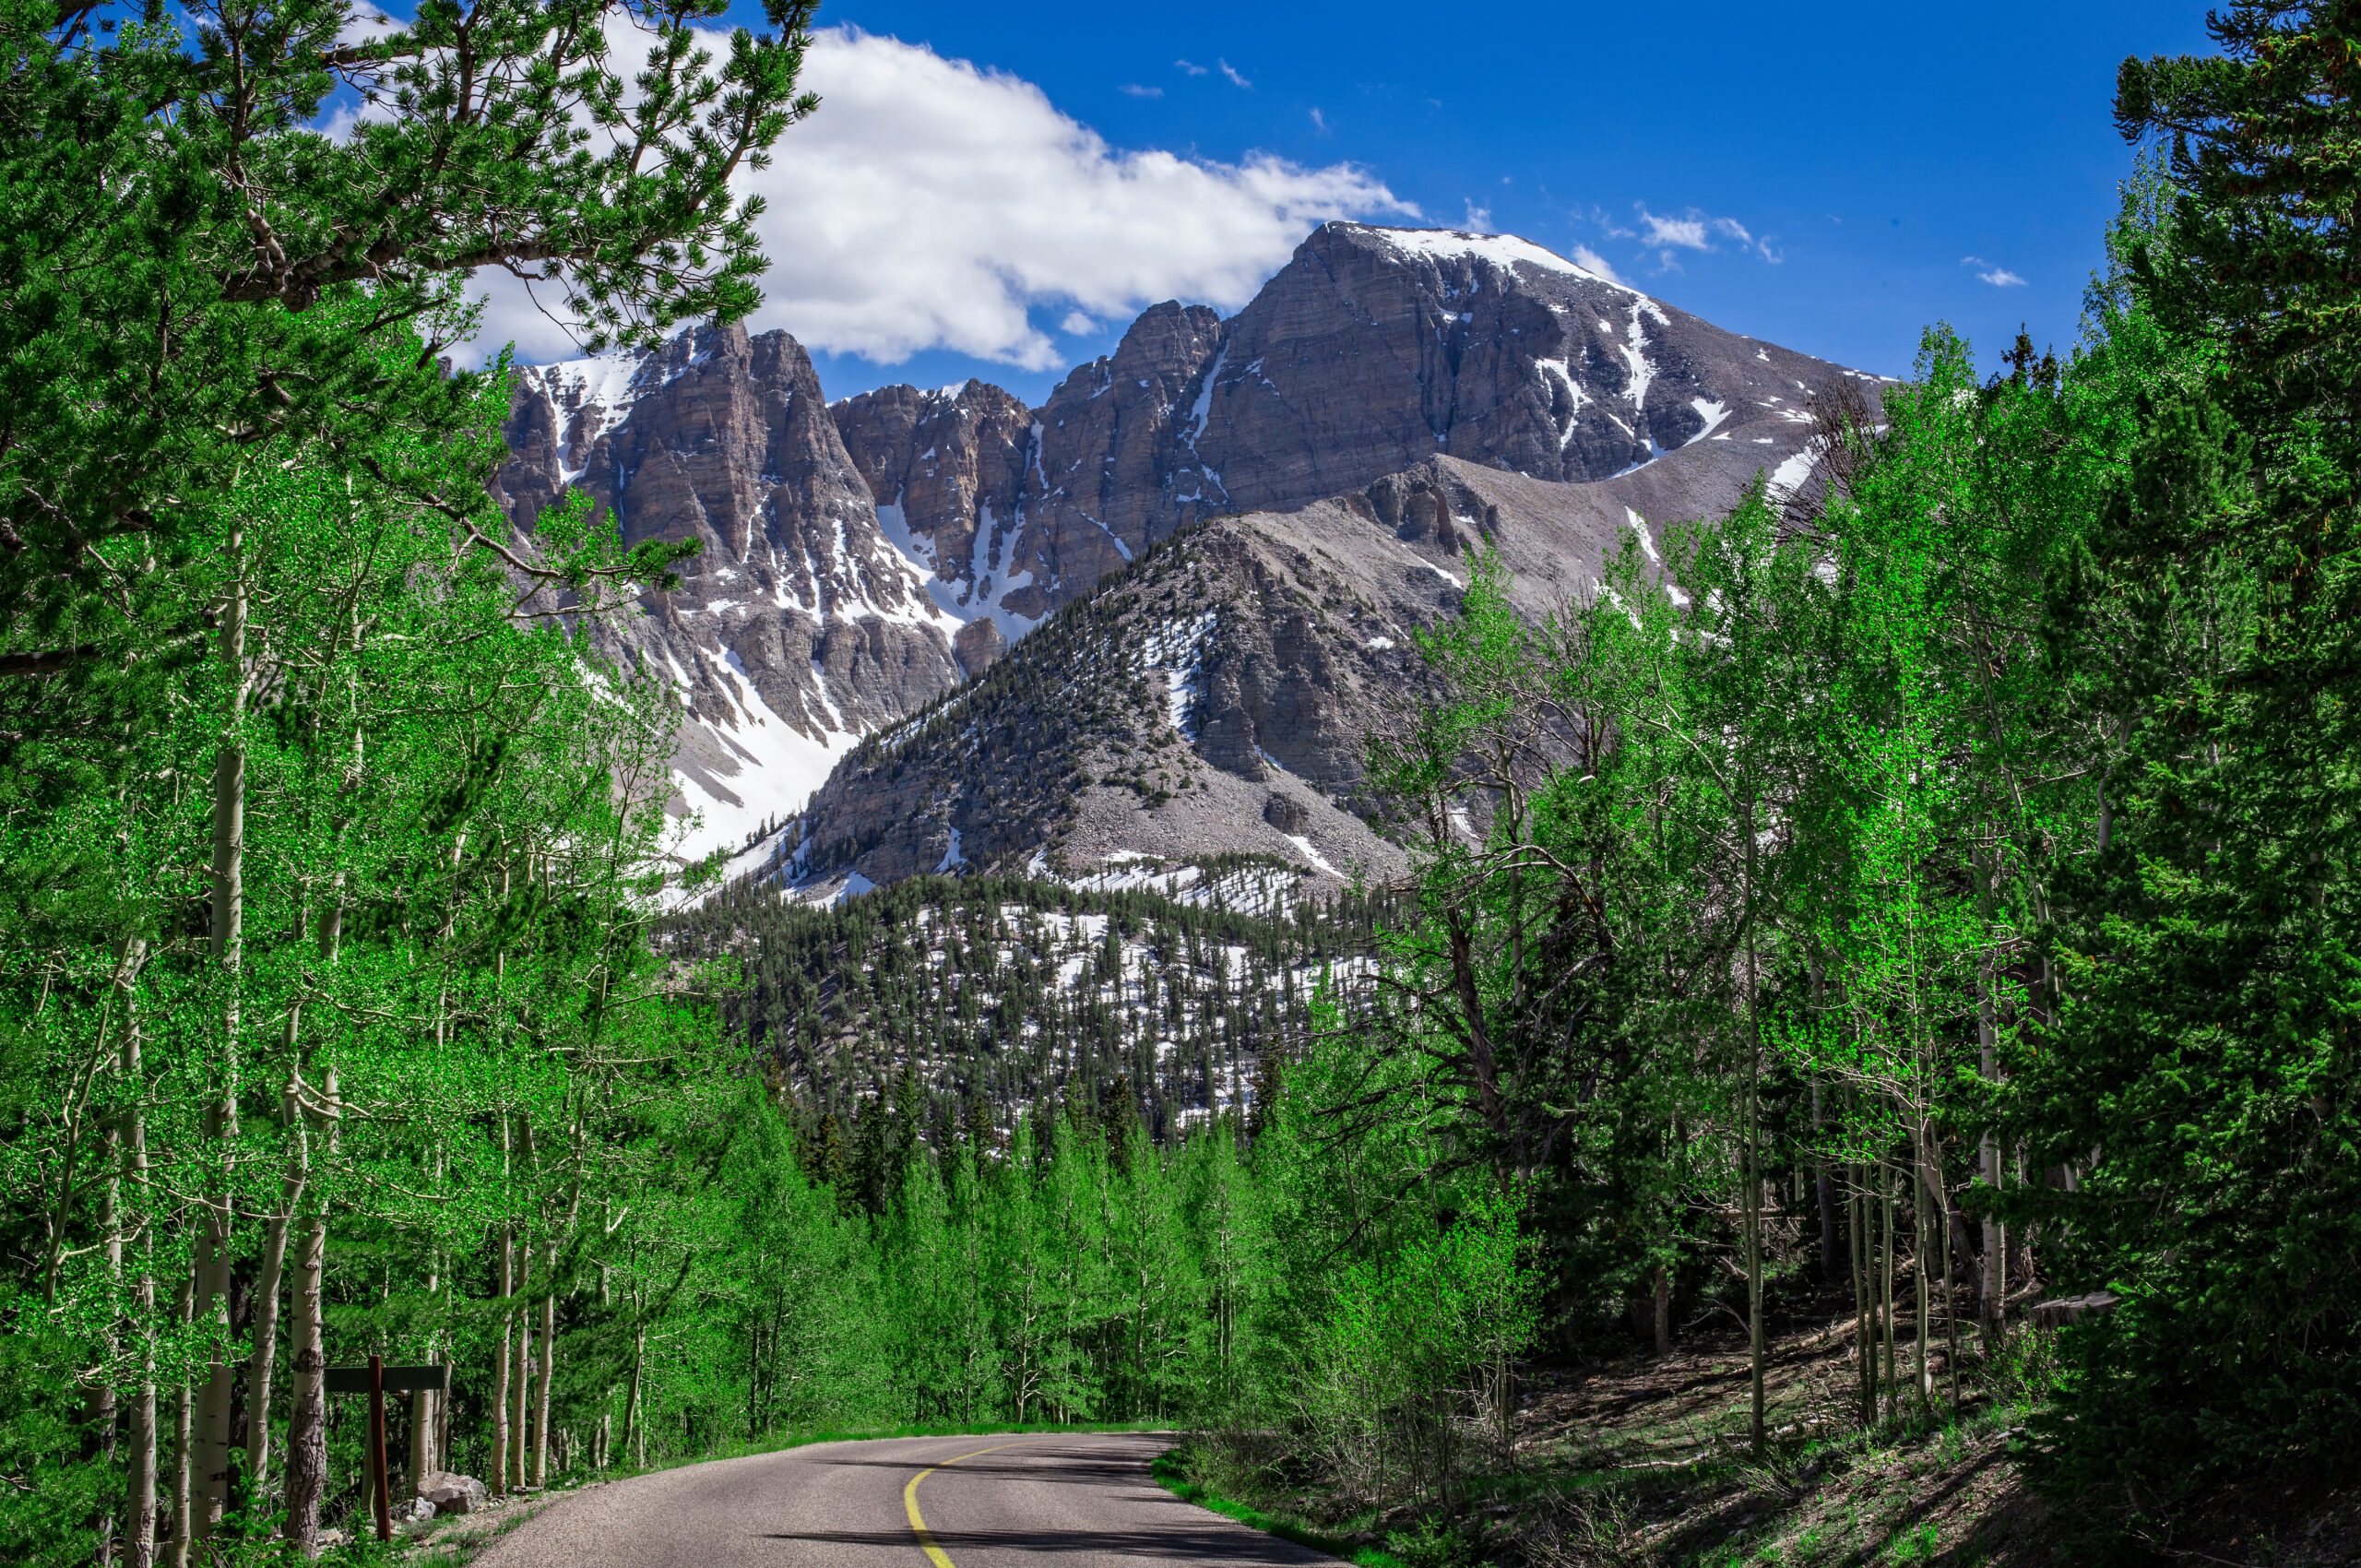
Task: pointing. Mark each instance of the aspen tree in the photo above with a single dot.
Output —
(209, 1432)
(140, 1435)
(500, 1435)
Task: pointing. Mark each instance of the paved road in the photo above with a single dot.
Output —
(1081, 1500)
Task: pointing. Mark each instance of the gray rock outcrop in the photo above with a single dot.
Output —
(800, 625)
(1424, 392)
(444, 1492)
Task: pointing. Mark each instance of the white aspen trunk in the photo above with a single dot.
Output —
(1753, 1147)
(140, 1490)
(521, 1388)
(2016, 1249)
(634, 1426)
(1824, 1192)
(183, 1444)
(548, 1367)
(267, 1285)
(1864, 1348)
(1935, 1239)
(100, 1409)
(1753, 1273)
(210, 1435)
(500, 1366)
(136, 1530)
(1885, 1197)
(307, 1412)
(1924, 1367)
(209, 1429)
(1951, 1289)
(423, 1460)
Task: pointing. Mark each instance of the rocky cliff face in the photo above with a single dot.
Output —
(1377, 348)
(1370, 352)
(1411, 388)
(800, 627)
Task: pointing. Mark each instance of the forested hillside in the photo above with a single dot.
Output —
(980, 997)
(1919, 904)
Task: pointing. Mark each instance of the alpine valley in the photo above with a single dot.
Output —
(1142, 630)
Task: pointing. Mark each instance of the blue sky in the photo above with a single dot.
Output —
(1817, 177)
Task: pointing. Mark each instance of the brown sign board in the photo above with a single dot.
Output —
(398, 1380)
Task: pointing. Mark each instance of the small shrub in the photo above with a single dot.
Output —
(1921, 1545)
(1440, 1543)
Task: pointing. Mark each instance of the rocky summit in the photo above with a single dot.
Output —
(1147, 624)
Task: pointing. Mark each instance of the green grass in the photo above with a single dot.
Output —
(1167, 1475)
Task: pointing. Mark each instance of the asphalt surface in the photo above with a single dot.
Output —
(1080, 1501)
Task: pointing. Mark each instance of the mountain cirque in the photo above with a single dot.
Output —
(1388, 399)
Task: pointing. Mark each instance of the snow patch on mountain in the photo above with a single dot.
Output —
(769, 768)
(1500, 250)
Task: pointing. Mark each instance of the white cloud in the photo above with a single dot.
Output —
(933, 204)
(1478, 220)
(1687, 232)
(1320, 122)
(1136, 90)
(1999, 277)
(1590, 260)
(1194, 70)
(1078, 325)
(1231, 72)
(1692, 230)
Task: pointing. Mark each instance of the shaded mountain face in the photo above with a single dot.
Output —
(1210, 706)
(862, 559)
(800, 627)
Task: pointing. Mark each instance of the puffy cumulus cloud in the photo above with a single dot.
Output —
(934, 204)
(1986, 272)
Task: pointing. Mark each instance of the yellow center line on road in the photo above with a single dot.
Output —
(935, 1553)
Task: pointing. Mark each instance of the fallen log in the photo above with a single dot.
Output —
(2063, 1310)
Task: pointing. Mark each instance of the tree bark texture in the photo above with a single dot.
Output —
(521, 1388)
(1886, 1201)
(184, 1439)
(260, 1367)
(139, 1427)
(210, 1437)
(499, 1375)
(548, 1369)
(209, 1429)
(307, 1413)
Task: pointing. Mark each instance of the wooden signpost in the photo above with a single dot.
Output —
(377, 1380)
